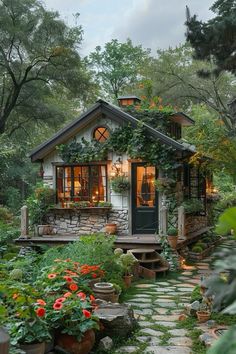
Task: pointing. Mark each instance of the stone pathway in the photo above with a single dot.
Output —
(157, 307)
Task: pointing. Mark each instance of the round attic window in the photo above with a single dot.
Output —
(101, 134)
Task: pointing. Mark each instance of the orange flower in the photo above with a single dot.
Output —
(69, 279)
(86, 313)
(57, 305)
(73, 287)
(60, 299)
(92, 298)
(52, 276)
(40, 312)
(41, 302)
(82, 296)
(15, 296)
(67, 294)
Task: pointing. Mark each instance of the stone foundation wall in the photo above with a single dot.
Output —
(194, 223)
(81, 222)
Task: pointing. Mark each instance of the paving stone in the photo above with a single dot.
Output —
(165, 317)
(143, 296)
(166, 323)
(165, 304)
(151, 332)
(181, 341)
(145, 323)
(144, 300)
(144, 286)
(127, 349)
(144, 312)
(185, 285)
(164, 290)
(139, 317)
(185, 290)
(162, 311)
(178, 332)
(137, 304)
(150, 340)
(187, 273)
(161, 299)
(163, 283)
(167, 350)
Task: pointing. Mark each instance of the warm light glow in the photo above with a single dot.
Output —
(185, 266)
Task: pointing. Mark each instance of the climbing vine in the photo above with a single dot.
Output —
(136, 142)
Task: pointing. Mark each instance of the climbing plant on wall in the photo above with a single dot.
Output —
(136, 142)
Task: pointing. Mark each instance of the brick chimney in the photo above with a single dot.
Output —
(128, 100)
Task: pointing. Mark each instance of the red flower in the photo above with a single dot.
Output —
(82, 296)
(41, 302)
(73, 287)
(40, 312)
(69, 279)
(52, 276)
(94, 275)
(86, 313)
(57, 305)
(67, 294)
(60, 299)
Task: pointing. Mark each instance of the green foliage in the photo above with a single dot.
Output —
(227, 222)
(197, 249)
(215, 39)
(196, 294)
(120, 184)
(39, 203)
(38, 58)
(172, 231)
(227, 200)
(192, 206)
(7, 234)
(83, 151)
(127, 261)
(118, 65)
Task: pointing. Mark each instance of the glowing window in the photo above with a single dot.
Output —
(101, 134)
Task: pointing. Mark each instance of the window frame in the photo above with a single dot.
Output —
(72, 196)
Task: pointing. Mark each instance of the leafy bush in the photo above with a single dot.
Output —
(197, 249)
(172, 231)
(5, 215)
(228, 200)
(39, 203)
(196, 294)
(192, 206)
(7, 234)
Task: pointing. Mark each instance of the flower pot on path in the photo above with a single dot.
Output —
(36, 348)
(127, 280)
(73, 346)
(203, 316)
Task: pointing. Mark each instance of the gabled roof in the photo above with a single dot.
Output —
(100, 107)
(182, 118)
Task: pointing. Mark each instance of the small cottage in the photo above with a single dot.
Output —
(120, 164)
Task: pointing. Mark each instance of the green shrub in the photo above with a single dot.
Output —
(172, 231)
(196, 294)
(228, 200)
(201, 244)
(192, 206)
(197, 249)
(5, 215)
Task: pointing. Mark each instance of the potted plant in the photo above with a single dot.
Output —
(127, 261)
(204, 312)
(164, 184)
(172, 236)
(120, 184)
(26, 323)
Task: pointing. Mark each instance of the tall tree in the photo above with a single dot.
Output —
(216, 38)
(118, 65)
(38, 56)
(173, 76)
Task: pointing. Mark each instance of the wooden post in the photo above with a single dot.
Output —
(181, 222)
(4, 341)
(163, 220)
(24, 222)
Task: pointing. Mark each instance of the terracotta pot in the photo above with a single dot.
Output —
(127, 280)
(203, 316)
(73, 346)
(111, 229)
(172, 241)
(37, 348)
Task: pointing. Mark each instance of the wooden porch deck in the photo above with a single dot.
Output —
(125, 242)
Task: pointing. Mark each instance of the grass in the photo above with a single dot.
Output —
(189, 324)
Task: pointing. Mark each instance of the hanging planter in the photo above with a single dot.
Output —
(120, 184)
(36, 348)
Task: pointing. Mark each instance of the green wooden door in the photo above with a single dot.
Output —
(144, 199)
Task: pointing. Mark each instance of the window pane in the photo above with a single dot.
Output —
(145, 192)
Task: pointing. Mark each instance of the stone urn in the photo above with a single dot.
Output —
(73, 346)
(104, 291)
